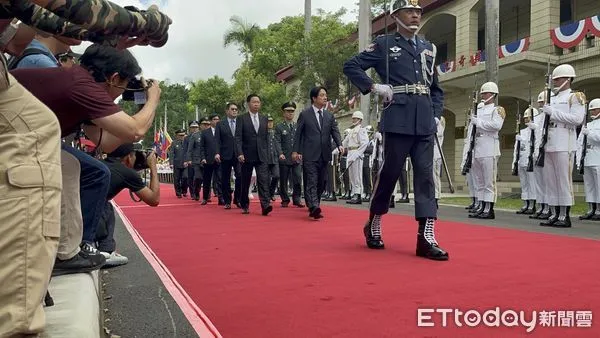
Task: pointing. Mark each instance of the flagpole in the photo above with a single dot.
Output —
(196, 112)
(165, 116)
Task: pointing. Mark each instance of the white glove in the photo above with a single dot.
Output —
(547, 109)
(584, 130)
(474, 120)
(384, 90)
(437, 121)
(518, 137)
(532, 126)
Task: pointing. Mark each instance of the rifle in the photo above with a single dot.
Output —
(515, 168)
(584, 143)
(531, 136)
(542, 152)
(469, 160)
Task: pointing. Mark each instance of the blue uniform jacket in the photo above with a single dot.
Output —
(409, 114)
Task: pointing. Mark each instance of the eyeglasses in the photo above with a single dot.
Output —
(233, 109)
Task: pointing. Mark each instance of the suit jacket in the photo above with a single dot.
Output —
(208, 146)
(313, 142)
(284, 141)
(225, 140)
(254, 146)
(177, 154)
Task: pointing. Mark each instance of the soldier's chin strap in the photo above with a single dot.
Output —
(413, 29)
(557, 90)
(488, 100)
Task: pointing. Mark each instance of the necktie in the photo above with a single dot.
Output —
(412, 44)
(232, 126)
(320, 119)
(255, 122)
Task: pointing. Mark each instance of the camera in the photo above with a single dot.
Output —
(141, 159)
(135, 91)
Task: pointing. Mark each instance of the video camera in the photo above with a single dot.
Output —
(141, 157)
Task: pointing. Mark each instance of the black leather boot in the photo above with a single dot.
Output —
(473, 204)
(488, 211)
(355, 199)
(367, 198)
(531, 209)
(372, 231)
(404, 199)
(427, 246)
(524, 208)
(590, 212)
(546, 213)
(479, 210)
(552, 219)
(564, 217)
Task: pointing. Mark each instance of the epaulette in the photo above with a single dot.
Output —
(580, 96)
(501, 111)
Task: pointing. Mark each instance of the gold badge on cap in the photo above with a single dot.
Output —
(414, 2)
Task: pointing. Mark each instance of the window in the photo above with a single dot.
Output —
(566, 11)
(481, 39)
(442, 53)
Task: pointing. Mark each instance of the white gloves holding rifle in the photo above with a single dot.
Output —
(384, 90)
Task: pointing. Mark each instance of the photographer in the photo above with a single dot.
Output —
(85, 94)
(123, 163)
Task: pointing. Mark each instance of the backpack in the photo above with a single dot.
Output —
(13, 62)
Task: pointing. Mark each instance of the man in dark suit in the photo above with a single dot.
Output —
(176, 160)
(208, 150)
(226, 156)
(285, 133)
(194, 157)
(194, 126)
(312, 146)
(252, 150)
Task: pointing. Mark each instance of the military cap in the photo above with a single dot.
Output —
(193, 124)
(289, 106)
(269, 118)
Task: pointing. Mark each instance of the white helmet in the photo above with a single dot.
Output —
(594, 104)
(530, 112)
(357, 115)
(542, 97)
(563, 71)
(404, 4)
(489, 87)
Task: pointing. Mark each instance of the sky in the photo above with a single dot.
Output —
(195, 47)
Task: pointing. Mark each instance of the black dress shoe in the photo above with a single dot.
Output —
(355, 199)
(529, 212)
(403, 200)
(227, 206)
(330, 198)
(285, 204)
(566, 223)
(485, 215)
(544, 215)
(315, 213)
(204, 202)
(550, 222)
(267, 210)
(522, 210)
(589, 215)
(221, 201)
(178, 196)
(245, 211)
(300, 205)
(475, 212)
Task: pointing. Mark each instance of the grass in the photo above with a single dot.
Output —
(515, 204)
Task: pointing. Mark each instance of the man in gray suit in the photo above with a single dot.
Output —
(285, 133)
(251, 145)
(312, 146)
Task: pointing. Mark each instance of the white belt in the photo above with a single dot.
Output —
(417, 89)
(560, 125)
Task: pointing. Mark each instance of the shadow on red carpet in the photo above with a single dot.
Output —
(286, 275)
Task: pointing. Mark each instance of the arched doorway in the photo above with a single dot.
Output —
(444, 39)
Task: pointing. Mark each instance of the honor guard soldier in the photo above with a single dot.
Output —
(566, 112)
(414, 101)
(471, 184)
(543, 211)
(488, 123)
(437, 160)
(356, 142)
(589, 139)
(176, 160)
(523, 150)
(347, 192)
(367, 164)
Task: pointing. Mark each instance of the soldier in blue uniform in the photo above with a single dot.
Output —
(413, 105)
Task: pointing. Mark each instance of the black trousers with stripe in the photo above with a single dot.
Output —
(396, 147)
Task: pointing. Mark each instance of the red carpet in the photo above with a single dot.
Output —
(288, 276)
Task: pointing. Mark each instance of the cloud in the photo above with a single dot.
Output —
(195, 47)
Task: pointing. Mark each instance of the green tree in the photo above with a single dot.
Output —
(210, 96)
(243, 34)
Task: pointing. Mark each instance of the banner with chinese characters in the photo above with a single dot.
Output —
(570, 35)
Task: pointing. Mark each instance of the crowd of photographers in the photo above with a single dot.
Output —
(55, 215)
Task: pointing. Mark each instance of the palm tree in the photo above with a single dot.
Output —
(242, 34)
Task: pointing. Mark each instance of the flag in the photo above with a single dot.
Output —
(157, 143)
(166, 141)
